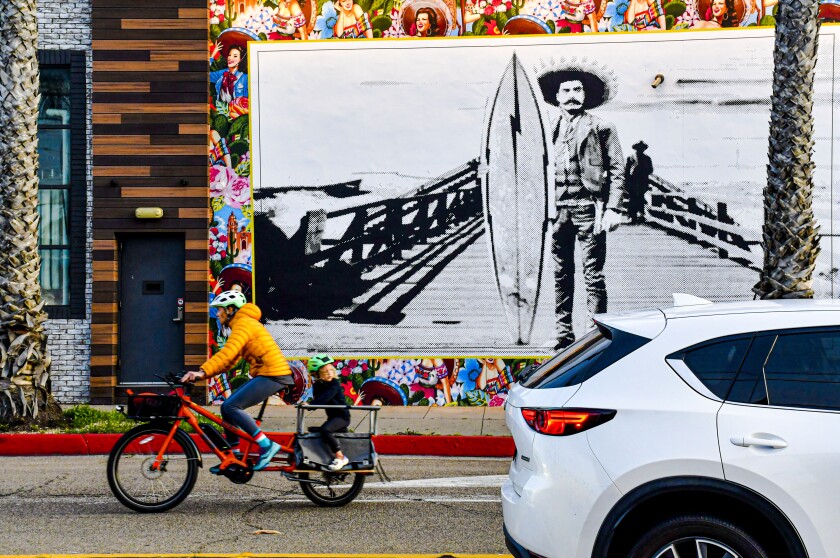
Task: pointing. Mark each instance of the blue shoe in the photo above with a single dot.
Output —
(266, 454)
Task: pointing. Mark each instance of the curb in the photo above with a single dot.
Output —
(101, 444)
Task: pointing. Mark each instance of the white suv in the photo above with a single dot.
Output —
(701, 431)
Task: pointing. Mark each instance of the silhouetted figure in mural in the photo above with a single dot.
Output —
(589, 185)
(637, 177)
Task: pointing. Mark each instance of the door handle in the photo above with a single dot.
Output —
(180, 317)
(765, 441)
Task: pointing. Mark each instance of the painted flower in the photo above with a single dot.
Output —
(489, 10)
(325, 22)
(492, 27)
(614, 13)
(498, 400)
(220, 176)
(469, 373)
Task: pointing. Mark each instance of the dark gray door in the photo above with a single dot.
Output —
(151, 307)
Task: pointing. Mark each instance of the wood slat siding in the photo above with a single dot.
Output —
(150, 131)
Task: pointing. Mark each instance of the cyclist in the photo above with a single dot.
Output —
(269, 370)
(328, 391)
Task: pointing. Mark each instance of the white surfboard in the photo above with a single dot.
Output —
(517, 182)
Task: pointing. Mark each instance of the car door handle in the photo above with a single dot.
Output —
(757, 440)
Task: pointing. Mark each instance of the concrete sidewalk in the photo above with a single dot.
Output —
(447, 421)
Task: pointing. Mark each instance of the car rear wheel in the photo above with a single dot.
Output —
(697, 536)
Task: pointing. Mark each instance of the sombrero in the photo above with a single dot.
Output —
(525, 24)
(640, 145)
(599, 83)
(236, 272)
(409, 9)
(302, 380)
(236, 36)
(385, 390)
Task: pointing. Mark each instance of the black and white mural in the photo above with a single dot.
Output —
(486, 197)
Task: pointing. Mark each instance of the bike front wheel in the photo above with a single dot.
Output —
(338, 489)
(137, 483)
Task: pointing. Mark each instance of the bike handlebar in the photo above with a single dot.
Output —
(174, 381)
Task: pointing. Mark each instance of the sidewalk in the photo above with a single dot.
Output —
(441, 431)
(442, 421)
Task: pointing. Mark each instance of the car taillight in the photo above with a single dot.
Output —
(565, 422)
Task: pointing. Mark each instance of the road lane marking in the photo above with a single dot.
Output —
(290, 500)
(486, 481)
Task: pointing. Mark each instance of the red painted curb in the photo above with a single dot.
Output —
(42, 444)
(99, 444)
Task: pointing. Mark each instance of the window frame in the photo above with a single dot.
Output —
(675, 361)
(74, 60)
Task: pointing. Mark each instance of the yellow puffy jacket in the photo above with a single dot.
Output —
(249, 340)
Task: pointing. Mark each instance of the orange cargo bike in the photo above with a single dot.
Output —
(154, 466)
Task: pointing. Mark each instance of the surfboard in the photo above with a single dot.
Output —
(517, 181)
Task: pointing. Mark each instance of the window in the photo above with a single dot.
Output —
(716, 364)
(749, 386)
(587, 356)
(61, 174)
(803, 370)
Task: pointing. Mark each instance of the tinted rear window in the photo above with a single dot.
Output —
(717, 364)
(587, 356)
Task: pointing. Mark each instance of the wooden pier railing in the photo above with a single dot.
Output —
(698, 222)
(379, 231)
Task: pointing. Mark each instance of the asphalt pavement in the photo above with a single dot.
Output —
(62, 505)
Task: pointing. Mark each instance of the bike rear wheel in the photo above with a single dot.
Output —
(136, 484)
(340, 488)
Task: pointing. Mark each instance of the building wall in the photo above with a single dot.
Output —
(149, 149)
(66, 25)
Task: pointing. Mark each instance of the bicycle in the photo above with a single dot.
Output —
(154, 466)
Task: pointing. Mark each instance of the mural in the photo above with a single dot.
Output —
(424, 381)
(370, 241)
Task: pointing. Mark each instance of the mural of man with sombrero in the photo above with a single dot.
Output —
(589, 181)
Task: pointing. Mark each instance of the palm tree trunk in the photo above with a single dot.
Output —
(24, 359)
(790, 234)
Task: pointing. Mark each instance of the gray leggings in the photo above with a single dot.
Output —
(254, 391)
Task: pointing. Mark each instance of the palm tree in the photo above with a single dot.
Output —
(24, 359)
(790, 234)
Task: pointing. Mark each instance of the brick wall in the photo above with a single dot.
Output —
(66, 25)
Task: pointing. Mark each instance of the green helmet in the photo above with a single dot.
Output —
(315, 363)
(229, 298)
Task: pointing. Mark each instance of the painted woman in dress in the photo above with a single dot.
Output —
(290, 20)
(231, 82)
(644, 15)
(352, 21)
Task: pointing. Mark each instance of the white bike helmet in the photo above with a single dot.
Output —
(229, 298)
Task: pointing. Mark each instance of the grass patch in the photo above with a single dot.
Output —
(84, 419)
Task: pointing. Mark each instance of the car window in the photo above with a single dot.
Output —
(749, 386)
(587, 356)
(803, 370)
(716, 364)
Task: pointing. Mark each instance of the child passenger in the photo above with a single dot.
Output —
(327, 390)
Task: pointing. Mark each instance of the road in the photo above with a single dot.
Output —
(62, 505)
